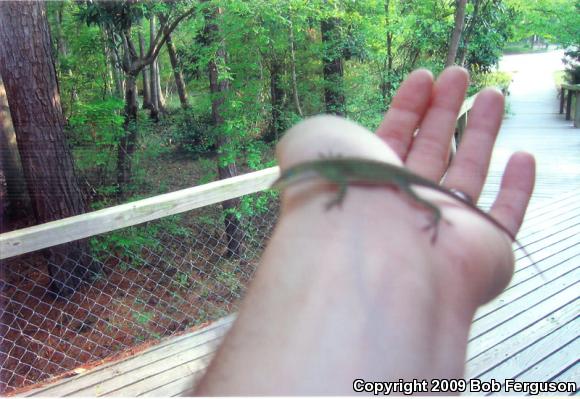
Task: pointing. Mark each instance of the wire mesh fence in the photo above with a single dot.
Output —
(122, 289)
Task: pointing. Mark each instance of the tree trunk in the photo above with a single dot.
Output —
(115, 65)
(109, 78)
(146, 85)
(466, 36)
(276, 98)
(62, 51)
(16, 199)
(61, 45)
(127, 144)
(456, 35)
(27, 69)
(160, 97)
(386, 84)
(179, 83)
(293, 64)
(333, 67)
(154, 110)
(218, 89)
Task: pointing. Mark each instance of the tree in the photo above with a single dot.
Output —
(119, 18)
(473, 20)
(179, 83)
(456, 34)
(295, 94)
(156, 104)
(488, 29)
(27, 68)
(333, 66)
(145, 73)
(219, 88)
(386, 81)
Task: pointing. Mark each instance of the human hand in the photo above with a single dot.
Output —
(418, 128)
(432, 109)
(360, 291)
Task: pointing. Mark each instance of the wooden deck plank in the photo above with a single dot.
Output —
(521, 322)
(163, 370)
(524, 303)
(185, 364)
(549, 344)
(534, 124)
(553, 267)
(183, 386)
(94, 382)
(571, 374)
(548, 368)
(540, 221)
(482, 362)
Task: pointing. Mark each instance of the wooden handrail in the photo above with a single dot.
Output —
(133, 213)
(105, 220)
(461, 123)
(566, 102)
(571, 87)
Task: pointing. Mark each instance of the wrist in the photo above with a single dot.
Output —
(361, 306)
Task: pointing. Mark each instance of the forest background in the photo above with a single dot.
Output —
(147, 97)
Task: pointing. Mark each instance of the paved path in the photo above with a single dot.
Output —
(533, 124)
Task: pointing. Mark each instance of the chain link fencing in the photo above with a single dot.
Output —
(124, 288)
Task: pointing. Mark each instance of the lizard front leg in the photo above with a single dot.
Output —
(337, 201)
(436, 215)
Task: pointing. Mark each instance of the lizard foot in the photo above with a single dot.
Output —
(434, 225)
(335, 202)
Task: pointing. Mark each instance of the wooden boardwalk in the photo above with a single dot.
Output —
(533, 124)
(529, 333)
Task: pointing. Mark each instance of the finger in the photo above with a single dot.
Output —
(429, 153)
(406, 111)
(469, 167)
(516, 189)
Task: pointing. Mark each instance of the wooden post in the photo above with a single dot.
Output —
(562, 99)
(461, 123)
(577, 110)
(569, 105)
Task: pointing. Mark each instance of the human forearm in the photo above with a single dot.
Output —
(342, 312)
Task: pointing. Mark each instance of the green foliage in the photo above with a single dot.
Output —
(265, 42)
(572, 61)
(97, 123)
(481, 80)
(257, 204)
(182, 279)
(128, 243)
(229, 280)
(489, 37)
(142, 317)
(557, 21)
(190, 133)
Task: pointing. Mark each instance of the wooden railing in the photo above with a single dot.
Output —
(109, 219)
(567, 92)
(105, 220)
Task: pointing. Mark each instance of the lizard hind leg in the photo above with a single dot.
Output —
(436, 215)
(337, 201)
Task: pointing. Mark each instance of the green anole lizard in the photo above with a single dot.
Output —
(359, 171)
